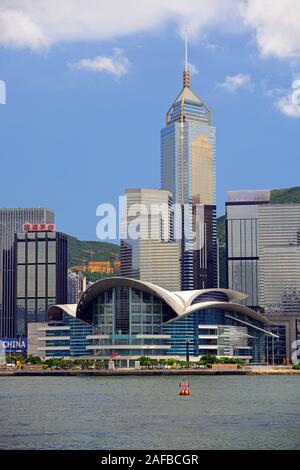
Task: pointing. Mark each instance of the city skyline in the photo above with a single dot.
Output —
(62, 110)
(149, 228)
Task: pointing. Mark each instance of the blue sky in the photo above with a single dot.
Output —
(83, 113)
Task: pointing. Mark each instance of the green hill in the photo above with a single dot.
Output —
(101, 251)
(285, 196)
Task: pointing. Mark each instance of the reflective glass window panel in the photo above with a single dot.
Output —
(31, 252)
(52, 280)
(31, 310)
(21, 281)
(41, 307)
(41, 252)
(51, 252)
(41, 281)
(21, 252)
(31, 281)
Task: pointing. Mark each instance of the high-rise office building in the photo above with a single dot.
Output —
(40, 273)
(152, 255)
(76, 284)
(188, 153)
(242, 213)
(279, 272)
(263, 260)
(11, 222)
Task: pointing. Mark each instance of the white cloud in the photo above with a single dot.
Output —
(37, 24)
(20, 30)
(289, 104)
(276, 25)
(117, 64)
(41, 23)
(234, 82)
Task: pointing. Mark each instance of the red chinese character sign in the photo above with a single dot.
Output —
(38, 227)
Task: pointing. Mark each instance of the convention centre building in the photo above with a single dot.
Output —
(127, 318)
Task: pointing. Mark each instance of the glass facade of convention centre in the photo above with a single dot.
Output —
(62, 336)
(130, 320)
(219, 333)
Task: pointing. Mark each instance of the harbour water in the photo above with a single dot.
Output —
(226, 412)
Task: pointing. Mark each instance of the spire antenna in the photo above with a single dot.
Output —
(186, 73)
(186, 50)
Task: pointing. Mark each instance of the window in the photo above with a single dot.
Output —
(52, 280)
(41, 281)
(31, 281)
(41, 252)
(21, 252)
(31, 311)
(21, 281)
(135, 296)
(41, 310)
(20, 318)
(147, 308)
(146, 298)
(51, 252)
(31, 252)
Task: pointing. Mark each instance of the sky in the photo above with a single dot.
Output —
(88, 83)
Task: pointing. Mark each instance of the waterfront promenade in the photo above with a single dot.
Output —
(249, 370)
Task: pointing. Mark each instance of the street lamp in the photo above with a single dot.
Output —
(187, 350)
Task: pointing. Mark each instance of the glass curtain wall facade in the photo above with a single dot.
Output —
(263, 260)
(66, 337)
(40, 276)
(11, 222)
(279, 287)
(127, 321)
(279, 250)
(242, 219)
(188, 153)
(216, 332)
(130, 322)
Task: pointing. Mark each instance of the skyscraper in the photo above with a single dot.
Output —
(188, 153)
(153, 256)
(76, 284)
(41, 274)
(11, 222)
(279, 272)
(263, 259)
(242, 219)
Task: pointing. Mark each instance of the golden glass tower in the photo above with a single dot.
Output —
(188, 153)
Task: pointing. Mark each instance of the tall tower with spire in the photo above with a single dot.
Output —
(188, 155)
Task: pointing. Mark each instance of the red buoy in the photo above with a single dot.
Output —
(184, 388)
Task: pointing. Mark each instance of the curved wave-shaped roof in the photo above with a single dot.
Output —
(176, 303)
(180, 302)
(54, 311)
